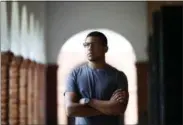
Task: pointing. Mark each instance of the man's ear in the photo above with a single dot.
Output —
(106, 48)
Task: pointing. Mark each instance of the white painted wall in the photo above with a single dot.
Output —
(21, 36)
(62, 20)
(65, 19)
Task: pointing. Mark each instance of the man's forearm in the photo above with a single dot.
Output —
(108, 107)
(79, 110)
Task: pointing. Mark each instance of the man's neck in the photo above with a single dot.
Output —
(97, 65)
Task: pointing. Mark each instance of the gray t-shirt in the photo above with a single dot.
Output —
(99, 84)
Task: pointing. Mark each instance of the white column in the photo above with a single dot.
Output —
(31, 38)
(42, 42)
(24, 38)
(5, 45)
(36, 42)
(14, 32)
(41, 46)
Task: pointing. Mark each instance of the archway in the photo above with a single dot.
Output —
(120, 55)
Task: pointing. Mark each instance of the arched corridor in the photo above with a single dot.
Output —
(42, 41)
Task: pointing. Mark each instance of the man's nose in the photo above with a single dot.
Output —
(89, 50)
(90, 46)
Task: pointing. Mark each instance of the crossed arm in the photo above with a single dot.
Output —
(115, 106)
(74, 108)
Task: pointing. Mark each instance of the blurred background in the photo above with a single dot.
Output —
(42, 41)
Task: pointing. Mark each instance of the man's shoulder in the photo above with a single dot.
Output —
(79, 68)
(115, 69)
(112, 68)
(121, 74)
(118, 72)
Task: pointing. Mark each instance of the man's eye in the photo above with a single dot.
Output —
(87, 44)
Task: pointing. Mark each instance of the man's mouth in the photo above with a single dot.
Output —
(89, 54)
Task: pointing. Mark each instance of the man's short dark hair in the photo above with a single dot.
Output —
(100, 35)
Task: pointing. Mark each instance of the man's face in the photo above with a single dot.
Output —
(95, 50)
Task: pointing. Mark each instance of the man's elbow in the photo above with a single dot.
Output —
(122, 109)
(69, 111)
(119, 110)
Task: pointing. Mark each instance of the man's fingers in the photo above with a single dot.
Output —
(120, 99)
(123, 93)
(118, 90)
(118, 95)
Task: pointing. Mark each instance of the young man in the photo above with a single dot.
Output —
(96, 93)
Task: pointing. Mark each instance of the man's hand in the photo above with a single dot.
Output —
(115, 106)
(74, 108)
(118, 95)
(81, 101)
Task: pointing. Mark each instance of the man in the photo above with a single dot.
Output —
(96, 93)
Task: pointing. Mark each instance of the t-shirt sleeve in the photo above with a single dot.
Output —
(70, 83)
(122, 81)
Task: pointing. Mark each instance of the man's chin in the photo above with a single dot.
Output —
(91, 59)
